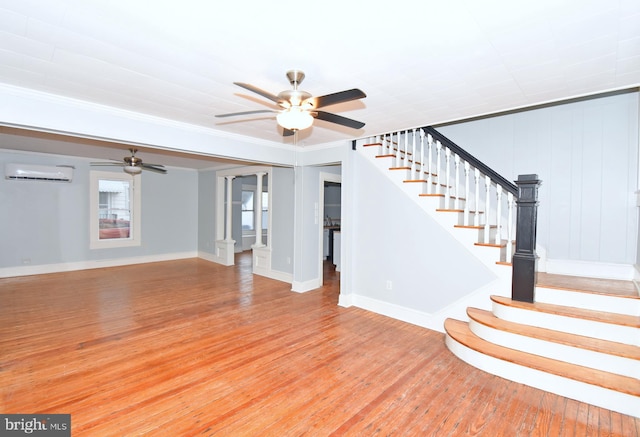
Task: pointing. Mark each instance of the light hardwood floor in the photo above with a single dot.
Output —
(189, 347)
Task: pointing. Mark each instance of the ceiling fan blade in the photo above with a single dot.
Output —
(259, 91)
(332, 99)
(338, 119)
(154, 167)
(287, 132)
(232, 114)
(121, 164)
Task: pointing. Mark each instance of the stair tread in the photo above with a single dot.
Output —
(490, 244)
(583, 342)
(560, 310)
(460, 332)
(579, 290)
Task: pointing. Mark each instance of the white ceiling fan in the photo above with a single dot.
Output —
(298, 108)
(132, 164)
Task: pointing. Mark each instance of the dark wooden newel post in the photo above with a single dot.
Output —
(525, 258)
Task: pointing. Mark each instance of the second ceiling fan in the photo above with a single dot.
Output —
(299, 108)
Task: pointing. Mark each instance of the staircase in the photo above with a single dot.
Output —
(579, 344)
(589, 355)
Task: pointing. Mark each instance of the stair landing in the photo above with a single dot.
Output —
(595, 285)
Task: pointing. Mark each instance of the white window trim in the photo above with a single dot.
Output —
(136, 210)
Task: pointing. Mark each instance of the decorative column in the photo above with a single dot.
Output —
(258, 210)
(525, 259)
(228, 209)
(261, 251)
(225, 248)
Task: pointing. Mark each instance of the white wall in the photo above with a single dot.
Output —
(586, 155)
(393, 240)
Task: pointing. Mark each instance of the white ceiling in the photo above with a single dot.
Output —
(419, 62)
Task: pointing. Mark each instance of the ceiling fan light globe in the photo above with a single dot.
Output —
(295, 119)
(131, 169)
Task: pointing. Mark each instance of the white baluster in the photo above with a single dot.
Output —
(476, 216)
(399, 156)
(456, 182)
(394, 150)
(510, 203)
(421, 175)
(414, 157)
(467, 166)
(499, 214)
(487, 207)
(401, 153)
(438, 174)
(447, 181)
(430, 165)
(406, 149)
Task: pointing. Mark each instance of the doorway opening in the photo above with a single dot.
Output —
(331, 213)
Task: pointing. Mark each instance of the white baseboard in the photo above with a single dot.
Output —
(479, 298)
(92, 264)
(625, 272)
(397, 312)
(304, 286)
(345, 300)
(210, 257)
(278, 276)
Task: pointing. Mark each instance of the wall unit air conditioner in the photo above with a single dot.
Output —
(38, 172)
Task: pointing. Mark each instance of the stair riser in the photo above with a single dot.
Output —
(569, 354)
(589, 301)
(598, 396)
(588, 328)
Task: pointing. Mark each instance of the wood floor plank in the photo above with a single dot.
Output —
(189, 347)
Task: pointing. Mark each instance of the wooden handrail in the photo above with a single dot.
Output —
(475, 162)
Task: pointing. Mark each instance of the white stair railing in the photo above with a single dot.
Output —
(439, 168)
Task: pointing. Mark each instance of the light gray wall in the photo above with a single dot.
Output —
(586, 154)
(307, 225)
(48, 223)
(206, 211)
(393, 239)
(282, 211)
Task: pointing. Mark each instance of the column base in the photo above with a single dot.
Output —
(225, 252)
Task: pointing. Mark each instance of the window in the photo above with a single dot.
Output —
(248, 206)
(247, 211)
(265, 210)
(115, 210)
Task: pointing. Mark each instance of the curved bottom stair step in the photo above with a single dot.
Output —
(614, 357)
(591, 323)
(597, 387)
